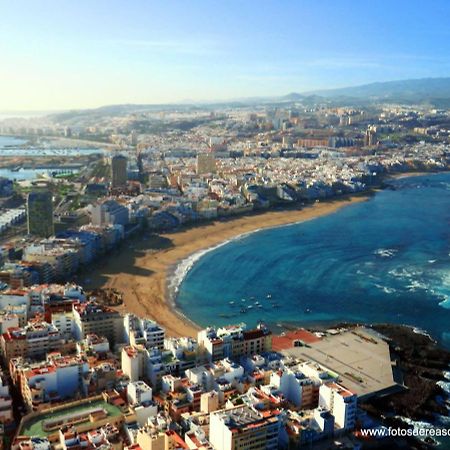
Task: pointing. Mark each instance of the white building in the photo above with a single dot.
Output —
(139, 395)
(341, 403)
(139, 392)
(243, 427)
(58, 378)
(134, 362)
(64, 321)
(209, 402)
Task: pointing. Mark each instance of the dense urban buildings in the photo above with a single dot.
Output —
(89, 373)
(244, 394)
(86, 373)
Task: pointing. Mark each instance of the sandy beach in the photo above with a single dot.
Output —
(141, 268)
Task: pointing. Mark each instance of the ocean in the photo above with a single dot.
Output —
(383, 260)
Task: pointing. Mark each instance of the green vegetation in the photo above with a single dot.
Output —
(67, 176)
(34, 426)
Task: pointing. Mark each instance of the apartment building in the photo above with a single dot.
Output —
(341, 403)
(91, 318)
(34, 341)
(243, 427)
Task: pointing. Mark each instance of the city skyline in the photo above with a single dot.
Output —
(89, 55)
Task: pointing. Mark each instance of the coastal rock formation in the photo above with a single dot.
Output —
(422, 362)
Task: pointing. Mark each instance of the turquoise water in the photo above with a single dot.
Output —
(384, 260)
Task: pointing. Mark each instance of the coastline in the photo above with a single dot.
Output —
(148, 264)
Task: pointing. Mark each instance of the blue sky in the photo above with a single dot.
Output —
(86, 53)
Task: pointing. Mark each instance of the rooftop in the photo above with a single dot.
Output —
(360, 357)
(34, 426)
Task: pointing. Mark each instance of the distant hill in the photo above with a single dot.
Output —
(431, 90)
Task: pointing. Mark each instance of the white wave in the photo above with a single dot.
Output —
(444, 385)
(445, 303)
(416, 423)
(388, 290)
(418, 330)
(385, 289)
(183, 268)
(385, 252)
(185, 265)
(432, 261)
(400, 273)
(411, 276)
(415, 285)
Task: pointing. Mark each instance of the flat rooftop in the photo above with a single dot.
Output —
(34, 427)
(360, 356)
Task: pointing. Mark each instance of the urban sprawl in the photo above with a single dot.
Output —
(80, 374)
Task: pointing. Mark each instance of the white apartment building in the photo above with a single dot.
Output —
(341, 403)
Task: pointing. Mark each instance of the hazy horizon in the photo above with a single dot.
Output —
(88, 55)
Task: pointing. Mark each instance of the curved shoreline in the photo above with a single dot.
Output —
(142, 269)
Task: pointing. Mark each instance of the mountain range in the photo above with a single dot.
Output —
(431, 91)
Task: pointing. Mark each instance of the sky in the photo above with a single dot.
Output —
(65, 54)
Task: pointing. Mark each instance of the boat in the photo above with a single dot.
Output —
(269, 295)
(243, 310)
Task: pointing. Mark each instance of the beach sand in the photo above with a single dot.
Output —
(140, 269)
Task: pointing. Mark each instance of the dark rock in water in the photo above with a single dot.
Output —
(422, 362)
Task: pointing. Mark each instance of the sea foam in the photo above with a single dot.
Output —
(185, 265)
